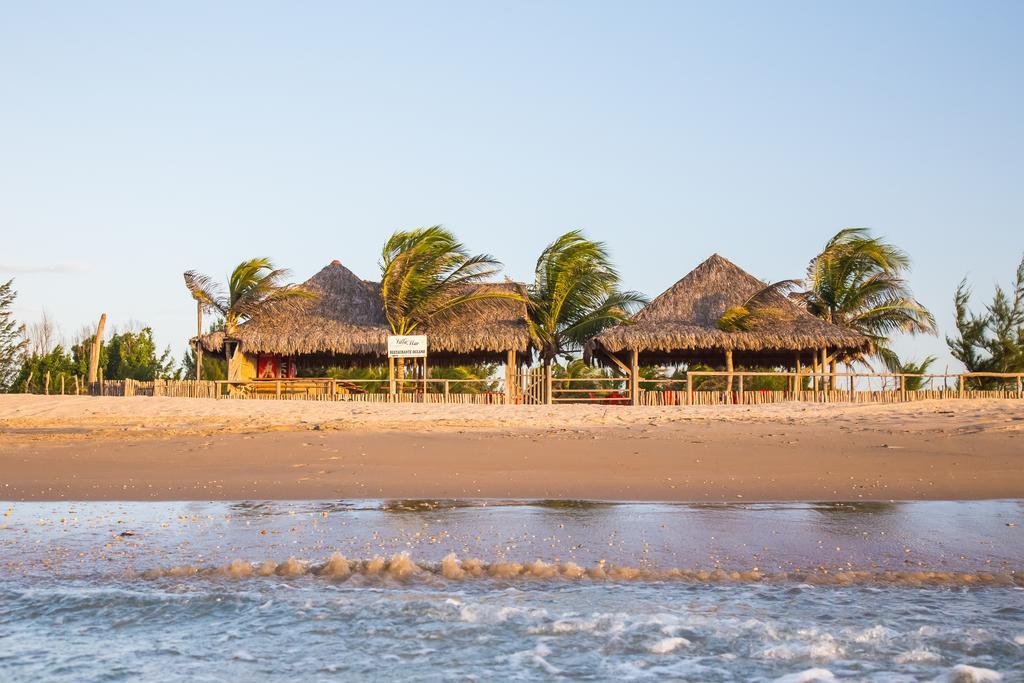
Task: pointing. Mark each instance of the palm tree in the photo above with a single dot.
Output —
(426, 277)
(253, 287)
(857, 282)
(574, 295)
(915, 368)
(756, 309)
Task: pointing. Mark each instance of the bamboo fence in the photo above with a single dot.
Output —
(697, 388)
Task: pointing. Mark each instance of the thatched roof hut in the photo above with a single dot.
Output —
(347, 320)
(681, 325)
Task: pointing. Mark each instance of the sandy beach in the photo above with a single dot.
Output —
(84, 448)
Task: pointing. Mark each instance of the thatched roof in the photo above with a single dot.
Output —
(682, 323)
(347, 319)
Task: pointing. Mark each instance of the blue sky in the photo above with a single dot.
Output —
(138, 140)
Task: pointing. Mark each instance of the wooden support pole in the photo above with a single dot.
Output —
(510, 377)
(814, 373)
(277, 390)
(960, 386)
(46, 384)
(741, 387)
(634, 377)
(1020, 386)
(728, 369)
(798, 381)
(824, 369)
(447, 391)
(62, 384)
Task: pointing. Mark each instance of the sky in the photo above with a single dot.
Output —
(140, 140)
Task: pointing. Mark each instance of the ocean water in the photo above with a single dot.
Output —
(522, 590)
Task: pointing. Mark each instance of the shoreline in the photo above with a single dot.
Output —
(81, 448)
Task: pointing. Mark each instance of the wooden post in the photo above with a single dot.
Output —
(741, 387)
(447, 391)
(199, 345)
(46, 383)
(903, 387)
(728, 369)
(634, 377)
(548, 393)
(277, 389)
(94, 355)
(689, 388)
(824, 370)
(62, 384)
(78, 389)
(814, 374)
(1020, 386)
(960, 386)
(424, 379)
(510, 377)
(797, 381)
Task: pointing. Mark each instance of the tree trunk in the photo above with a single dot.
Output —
(94, 354)
(199, 346)
(400, 373)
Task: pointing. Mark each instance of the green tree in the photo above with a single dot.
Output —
(915, 368)
(481, 376)
(80, 356)
(133, 355)
(574, 295)
(13, 342)
(590, 378)
(857, 282)
(992, 341)
(32, 377)
(128, 355)
(650, 372)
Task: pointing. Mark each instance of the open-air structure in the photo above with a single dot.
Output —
(345, 325)
(682, 326)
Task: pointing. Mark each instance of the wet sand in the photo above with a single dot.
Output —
(79, 448)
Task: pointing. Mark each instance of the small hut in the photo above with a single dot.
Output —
(682, 326)
(345, 325)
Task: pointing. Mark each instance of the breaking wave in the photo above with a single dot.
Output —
(402, 567)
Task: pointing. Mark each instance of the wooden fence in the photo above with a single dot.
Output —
(696, 388)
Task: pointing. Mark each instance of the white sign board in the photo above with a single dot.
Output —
(407, 346)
